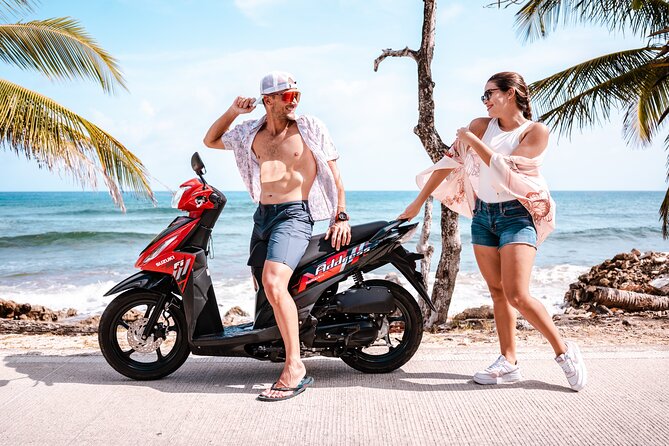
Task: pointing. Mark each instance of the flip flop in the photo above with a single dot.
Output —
(301, 387)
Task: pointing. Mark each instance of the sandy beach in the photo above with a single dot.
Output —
(644, 330)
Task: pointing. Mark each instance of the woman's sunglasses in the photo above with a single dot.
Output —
(487, 94)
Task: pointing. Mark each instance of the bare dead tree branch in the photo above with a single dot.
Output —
(406, 52)
(504, 3)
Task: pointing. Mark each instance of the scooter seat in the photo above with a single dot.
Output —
(319, 247)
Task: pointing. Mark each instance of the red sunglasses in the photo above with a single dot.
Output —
(289, 96)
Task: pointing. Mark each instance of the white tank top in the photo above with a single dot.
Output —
(501, 142)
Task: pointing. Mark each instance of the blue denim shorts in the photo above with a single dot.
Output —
(499, 224)
(281, 233)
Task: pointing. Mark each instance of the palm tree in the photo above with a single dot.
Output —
(634, 81)
(41, 129)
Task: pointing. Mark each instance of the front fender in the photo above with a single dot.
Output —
(148, 280)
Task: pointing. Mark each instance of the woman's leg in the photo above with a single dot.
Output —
(488, 260)
(516, 262)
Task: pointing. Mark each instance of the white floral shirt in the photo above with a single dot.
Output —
(323, 194)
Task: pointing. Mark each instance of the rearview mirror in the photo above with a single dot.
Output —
(197, 164)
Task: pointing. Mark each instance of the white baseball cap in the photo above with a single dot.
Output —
(276, 81)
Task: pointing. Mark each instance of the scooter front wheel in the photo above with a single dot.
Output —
(120, 335)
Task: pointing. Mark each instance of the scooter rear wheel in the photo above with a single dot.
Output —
(120, 336)
(399, 338)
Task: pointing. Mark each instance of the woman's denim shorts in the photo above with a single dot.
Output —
(499, 224)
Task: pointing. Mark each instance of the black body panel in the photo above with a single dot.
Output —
(199, 301)
(365, 300)
(148, 280)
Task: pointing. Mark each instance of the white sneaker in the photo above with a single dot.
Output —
(500, 371)
(573, 366)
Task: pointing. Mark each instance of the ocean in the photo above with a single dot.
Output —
(66, 249)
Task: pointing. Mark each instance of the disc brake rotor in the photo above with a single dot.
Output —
(135, 330)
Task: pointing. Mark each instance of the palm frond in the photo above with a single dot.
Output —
(585, 94)
(537, 18)
(564, 85)
(59, 48)
(58, 139)
(664, 207)
(15, 8)
(644, 116)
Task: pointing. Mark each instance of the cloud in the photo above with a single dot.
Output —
(257, 10)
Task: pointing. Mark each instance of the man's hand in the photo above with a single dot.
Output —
(242, 105)
(340, 233)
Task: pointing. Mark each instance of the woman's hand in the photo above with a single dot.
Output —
(466, 136)
(411, 211)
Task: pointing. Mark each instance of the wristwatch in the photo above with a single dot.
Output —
(342, 216)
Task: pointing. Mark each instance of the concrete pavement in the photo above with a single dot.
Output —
(66, 400)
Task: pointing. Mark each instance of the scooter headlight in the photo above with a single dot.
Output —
(409, 235)
(177, 196)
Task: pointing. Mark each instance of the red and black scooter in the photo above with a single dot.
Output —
(168, 309)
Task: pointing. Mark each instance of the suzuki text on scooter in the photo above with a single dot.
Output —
(169, 310)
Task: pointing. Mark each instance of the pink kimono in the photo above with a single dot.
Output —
(516, 175)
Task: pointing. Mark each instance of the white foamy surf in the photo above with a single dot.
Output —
(548, 285)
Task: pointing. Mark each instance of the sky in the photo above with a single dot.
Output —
(186, 60)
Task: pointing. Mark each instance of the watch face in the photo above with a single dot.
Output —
(342, 216)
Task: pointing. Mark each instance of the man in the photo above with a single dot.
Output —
(288, 164)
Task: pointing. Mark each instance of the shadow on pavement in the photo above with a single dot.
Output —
(220, 376)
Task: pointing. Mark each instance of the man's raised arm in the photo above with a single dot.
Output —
(240, 105)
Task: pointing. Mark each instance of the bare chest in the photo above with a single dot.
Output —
(287, 147)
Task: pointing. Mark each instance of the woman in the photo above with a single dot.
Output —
(491, 173)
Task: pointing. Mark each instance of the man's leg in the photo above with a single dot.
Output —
(275, 282)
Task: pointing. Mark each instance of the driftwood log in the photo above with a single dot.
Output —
(629, 300)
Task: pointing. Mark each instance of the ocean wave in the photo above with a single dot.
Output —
(70, 238)
(624, 232)
(115, 212)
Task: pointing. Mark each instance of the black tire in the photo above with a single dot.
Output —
(118, 317)
(399, 355)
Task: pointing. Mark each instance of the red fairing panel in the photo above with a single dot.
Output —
(178, 264)
(170, 242)
(332, 266)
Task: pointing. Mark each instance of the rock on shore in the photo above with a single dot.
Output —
(37, 319)
(27, 318)
(27, 312)
(630, 281)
